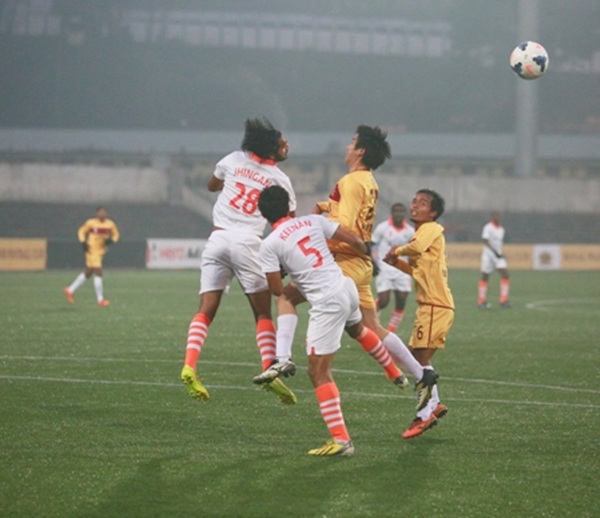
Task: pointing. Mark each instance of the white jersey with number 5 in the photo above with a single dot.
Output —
(299, 245)
(245, 175)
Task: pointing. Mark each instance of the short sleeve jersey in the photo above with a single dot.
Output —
(352, 203)
(245, 175)
(300, 246)
(426, 253)
(387, 237)
(494, 235)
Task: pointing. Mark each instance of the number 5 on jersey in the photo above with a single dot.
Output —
(309, 250)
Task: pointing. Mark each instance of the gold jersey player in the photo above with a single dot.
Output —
(352, 204)
(95, 236)
(426, 252)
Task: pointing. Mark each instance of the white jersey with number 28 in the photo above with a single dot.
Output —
(245, 175)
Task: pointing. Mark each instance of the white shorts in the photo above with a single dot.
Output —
(392, 279)
(329, 317)
(489, 263)
(230, 253)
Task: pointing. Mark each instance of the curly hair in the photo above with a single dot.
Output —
(261, 138)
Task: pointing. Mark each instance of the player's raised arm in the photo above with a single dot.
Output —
(347, 237)
(392, 258)
(401, 264)
(320, 207)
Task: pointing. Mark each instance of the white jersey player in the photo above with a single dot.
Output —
(299, 245)
(492, 258)
(388, 235)
(233, 247)
(244, 176)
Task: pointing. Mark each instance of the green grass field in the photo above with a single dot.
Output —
(95, 422)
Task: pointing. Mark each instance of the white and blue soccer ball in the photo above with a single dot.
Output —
(529, 60)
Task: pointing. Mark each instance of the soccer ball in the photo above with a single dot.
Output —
(529, 60)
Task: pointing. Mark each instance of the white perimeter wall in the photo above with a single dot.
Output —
(475, 193)
(77, 183)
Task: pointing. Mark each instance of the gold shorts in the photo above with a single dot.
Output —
(431, 326)
(361, 272)
(93, 259)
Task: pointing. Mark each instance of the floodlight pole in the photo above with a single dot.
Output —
(526, 127)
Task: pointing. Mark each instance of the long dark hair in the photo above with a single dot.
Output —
(261, 138)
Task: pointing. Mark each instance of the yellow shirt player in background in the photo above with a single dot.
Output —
(95, 235)
(426, 253)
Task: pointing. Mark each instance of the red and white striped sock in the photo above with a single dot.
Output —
(395, 319)
(328, 397)
(482, 292)
(504, 290)
(371, 343)
(266, 341)
(196, 337)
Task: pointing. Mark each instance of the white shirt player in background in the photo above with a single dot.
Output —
(299, 246)
(492, 258)
(233, 247)
(388, 235)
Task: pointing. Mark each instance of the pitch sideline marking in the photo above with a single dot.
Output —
(233, 387)
(254, 365)
(550, 305)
